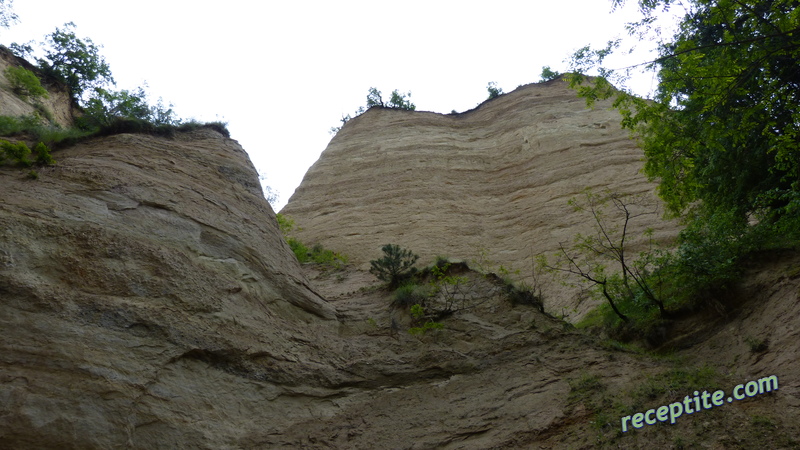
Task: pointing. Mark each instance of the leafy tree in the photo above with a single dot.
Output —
(344, 120)
(7, 16)
(549, 74)
(494, 91)
(401, 101)
(76, 61)
(374, 98)
(397, 101)
(590, 255)
(105, 106)
(724, 130)
(395, 264)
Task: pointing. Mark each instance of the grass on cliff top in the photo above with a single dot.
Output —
(54, 136)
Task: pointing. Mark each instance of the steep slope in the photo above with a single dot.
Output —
(147, 300)
(57, 105)
(494, 181)
(136, 276)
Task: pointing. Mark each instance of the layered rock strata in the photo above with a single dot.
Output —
(490, 185)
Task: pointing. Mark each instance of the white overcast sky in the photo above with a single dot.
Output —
(282, 73)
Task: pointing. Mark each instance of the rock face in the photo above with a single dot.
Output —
(133, 263)
(494, 181)
(57, 105)
(147, 300)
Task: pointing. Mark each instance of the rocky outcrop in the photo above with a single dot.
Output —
(138, 277)
(58, 105)
(494, 181)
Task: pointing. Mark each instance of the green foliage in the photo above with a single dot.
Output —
(75, 61)
(374, 98)
(419, 314)
(10, 126)
(17, 153)
(32, 128)
(299, 249)
(78, 63)
(321, 255)
(451, 289)
(676, 382)
(192, 125)
(401, 101)
(43, 157)
(25, 83)
(494, 90)
(722, 134)
(398, 100)
(316, 254)
(395, 265)
(585, 384)
(409, 294)
(105, 107)
(518, 292)
(757, 345)
(427, 326)
(548, 74)
(7, 16)
(285, 224)
(590, 255)
(762, 421)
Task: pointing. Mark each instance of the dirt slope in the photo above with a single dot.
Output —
(58, 104)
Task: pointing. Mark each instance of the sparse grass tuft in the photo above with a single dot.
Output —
(757, 345)
(408, 294)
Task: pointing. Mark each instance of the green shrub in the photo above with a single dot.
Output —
(43, 156)
(316, 254)
(757, 345)
(409, 294)
(523, 296)
(549, 74)
(16, 152)
(321, 255)
(299, 249)
(10, 126)
(418, 315)
(494, 90)
(219, 127)
(285, 224)
(395, 265)
(25, 83)
(427, 326)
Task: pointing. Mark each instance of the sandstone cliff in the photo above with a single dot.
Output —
(495, 180)
(131, 264)
(148, 300)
